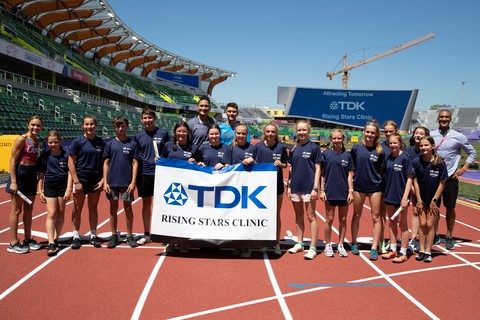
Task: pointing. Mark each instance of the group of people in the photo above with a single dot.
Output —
(390, 175)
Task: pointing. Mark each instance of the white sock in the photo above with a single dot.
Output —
(403, 251)
(76, 234)
(393, 247)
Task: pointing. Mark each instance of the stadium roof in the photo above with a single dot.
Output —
(93, 28)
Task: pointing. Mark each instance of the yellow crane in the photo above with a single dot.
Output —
(346, 68)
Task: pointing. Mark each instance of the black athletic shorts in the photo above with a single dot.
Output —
(26, 180)
(145, 185)
(450, 193)
(337, 203)
(55, 189)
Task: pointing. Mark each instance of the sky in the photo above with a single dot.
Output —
(272, 43)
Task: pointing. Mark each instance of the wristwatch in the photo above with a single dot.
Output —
(434, 200)
(315, 188)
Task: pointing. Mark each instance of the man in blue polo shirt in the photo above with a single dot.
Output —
(449, 144)
(227, 134)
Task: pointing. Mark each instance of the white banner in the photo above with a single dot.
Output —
(235, 203)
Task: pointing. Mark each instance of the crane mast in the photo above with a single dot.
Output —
(346, 68)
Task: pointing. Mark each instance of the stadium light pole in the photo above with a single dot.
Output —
(463, 93)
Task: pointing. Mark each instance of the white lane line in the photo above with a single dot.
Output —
(33, 218)
(148, 286)
(43, 265)
(276, 288)
(399, 288)
(462, 223)
(7, 201)
(458, 257)
(32, 273)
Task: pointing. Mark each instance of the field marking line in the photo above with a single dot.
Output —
(148, 286)
(276, 288)
(47, 262)
(399, 288)
(32, 273)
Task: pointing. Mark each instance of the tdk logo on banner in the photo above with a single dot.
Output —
(240, 196)
(346, 105)
(177, 196)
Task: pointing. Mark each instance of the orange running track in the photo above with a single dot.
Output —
(148, 283)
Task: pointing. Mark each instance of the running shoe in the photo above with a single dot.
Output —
(400, 258)
(449, 243)
(328, 250)
(355, 249)
(412, 246)
(341, 251)
(131, 241)
(389, 255)
(427, 258)
(32, 244)
(113, 242)
(277, 250)
(436, 240)
(52, 249)
(76, 243)
(144, 240)
(298, 247)
(420, 256)
(311, 254)
(384, 246)
(95, 241)
(373, 255)
(17, 248)
(246, 253)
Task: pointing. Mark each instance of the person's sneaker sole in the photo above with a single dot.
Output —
(13, 249)
(76, 244)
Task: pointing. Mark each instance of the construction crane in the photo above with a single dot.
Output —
(347, 68)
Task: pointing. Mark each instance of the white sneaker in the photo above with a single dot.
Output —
(328, 250)
(311, 254)
(341, 251)
(143, 240)
(298, 247)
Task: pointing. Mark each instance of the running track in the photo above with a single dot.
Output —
(146, 283)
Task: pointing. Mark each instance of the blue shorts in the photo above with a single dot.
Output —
(26, 180)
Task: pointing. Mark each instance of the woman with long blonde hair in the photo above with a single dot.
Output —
(303, 186)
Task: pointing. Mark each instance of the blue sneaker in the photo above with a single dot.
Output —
(354, 249)
(373, 255)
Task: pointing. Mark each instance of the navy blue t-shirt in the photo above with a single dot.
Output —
(266, 154)
(240, 153)
(120, 155)
(412, 153)
(184, 152)
(428, 178)
(211, 155)
(397, 170)
(145, 139)
(55, 167)
(303, 159)
(89, 155)
(368, 163)
(337, 166)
